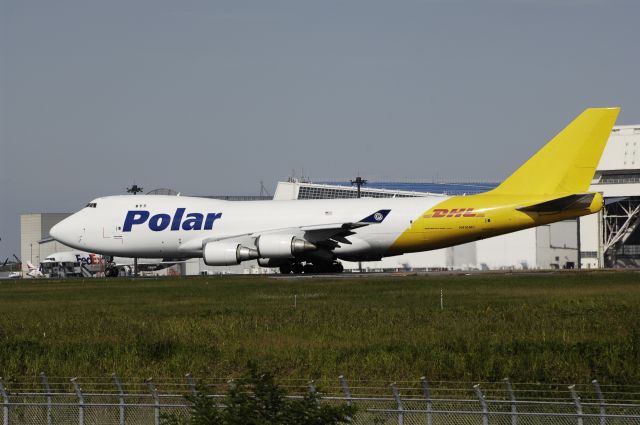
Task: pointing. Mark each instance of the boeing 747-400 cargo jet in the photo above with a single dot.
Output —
(312, 235)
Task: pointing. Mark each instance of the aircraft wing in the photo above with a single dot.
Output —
(325, 235)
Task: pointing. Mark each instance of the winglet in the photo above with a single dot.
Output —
(568, 162)
(376, 217)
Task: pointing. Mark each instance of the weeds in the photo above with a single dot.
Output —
(562, 327)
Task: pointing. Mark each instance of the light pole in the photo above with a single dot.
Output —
(134, 190)
(359, 182)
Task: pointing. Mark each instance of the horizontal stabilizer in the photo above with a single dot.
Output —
(609, 201)
(578, 201)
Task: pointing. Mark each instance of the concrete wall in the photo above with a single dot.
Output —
(286, 191)
(462, 257)
(196, 266)
(434, 260)
(557, 245)
(33, 228)
(622, 151)
(511, 251)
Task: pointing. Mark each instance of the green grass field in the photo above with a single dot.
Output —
(560, 327)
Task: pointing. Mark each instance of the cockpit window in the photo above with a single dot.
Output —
(92, 205)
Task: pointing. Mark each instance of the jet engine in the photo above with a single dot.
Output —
(282, 246)
(227, 253)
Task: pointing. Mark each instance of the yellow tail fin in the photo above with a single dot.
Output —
(568, 162)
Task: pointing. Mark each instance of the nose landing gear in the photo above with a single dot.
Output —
(111, 270)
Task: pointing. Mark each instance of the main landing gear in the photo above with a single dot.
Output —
(111, 271)
(310, 268)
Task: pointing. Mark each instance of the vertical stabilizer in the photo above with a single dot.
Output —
(568, 162)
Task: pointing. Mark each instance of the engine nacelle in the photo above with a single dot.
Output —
(227, 253)
(282, 246)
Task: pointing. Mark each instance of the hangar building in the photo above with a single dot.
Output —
(35, 243)
(611, 237)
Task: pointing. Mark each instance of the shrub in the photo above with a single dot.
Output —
(256, 399)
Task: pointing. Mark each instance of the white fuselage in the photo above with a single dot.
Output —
(156, 226)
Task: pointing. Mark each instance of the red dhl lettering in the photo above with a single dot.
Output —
(439, 213)
(454, 212)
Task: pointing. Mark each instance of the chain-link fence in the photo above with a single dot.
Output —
(103, 401)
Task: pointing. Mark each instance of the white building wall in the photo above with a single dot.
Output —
(30, 234)
(462, 257)
(622, 151)
(557, 245)
(515, 250)
(589, 240)
(196, 266)
(286, 191)
(33, 228)
(435, 260)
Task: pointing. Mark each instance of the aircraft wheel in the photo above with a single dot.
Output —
(297, 268)
(285, 269)
(337, 267)
(310, 269)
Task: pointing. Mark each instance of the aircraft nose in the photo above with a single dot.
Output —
(63, 231)
(55, 232)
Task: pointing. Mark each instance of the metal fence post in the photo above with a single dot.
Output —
(156, 401)
(603, 409)
(5, 404)
(483, 404)
(191, 384)
(47, 389)
(345, 389)
(576, 400)
(118, 385)
(427, 396)
(78, 390)
(396, 396)
(512, 398)
(312, 387)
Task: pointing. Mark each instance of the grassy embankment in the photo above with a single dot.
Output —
(563, 327)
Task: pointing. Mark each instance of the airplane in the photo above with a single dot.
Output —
(312, 236)
(80, 263)
(34, 272)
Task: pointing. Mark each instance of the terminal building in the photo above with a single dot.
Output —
(608, 239)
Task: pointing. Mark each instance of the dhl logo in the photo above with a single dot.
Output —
(454, 212)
